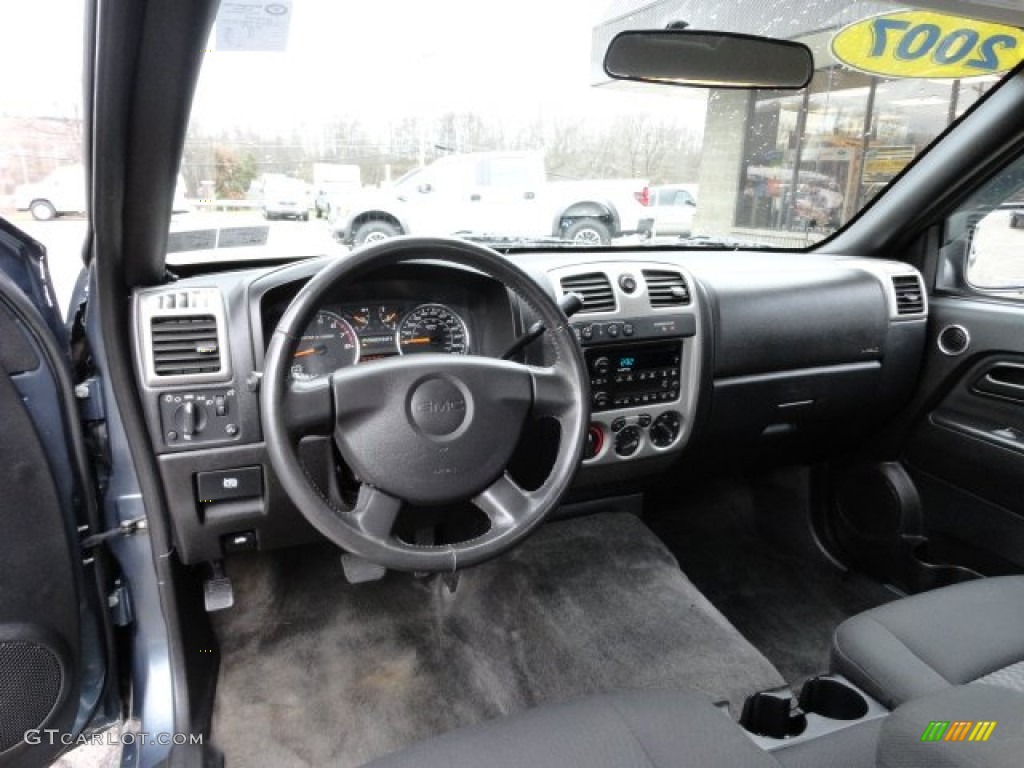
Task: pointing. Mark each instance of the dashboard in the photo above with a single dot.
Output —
(688, 354)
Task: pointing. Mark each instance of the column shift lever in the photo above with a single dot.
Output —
(570, 304)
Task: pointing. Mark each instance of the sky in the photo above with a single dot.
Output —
(392, 58)
(373, 60)
(41, 57)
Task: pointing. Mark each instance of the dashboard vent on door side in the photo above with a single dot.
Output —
(185, 344)
(909, 294)
(666, 288)
(595, 288)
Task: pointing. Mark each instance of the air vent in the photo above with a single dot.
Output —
(909, 294)
(185, 344)
(595, 288)
(666, 289)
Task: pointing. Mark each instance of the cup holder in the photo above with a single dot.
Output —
(775, 716)
(832, 699)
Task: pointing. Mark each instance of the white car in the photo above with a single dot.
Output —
(673, 206)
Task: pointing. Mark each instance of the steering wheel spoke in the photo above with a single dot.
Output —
(308, 407)
(375, 512)
(504, 503)
(553, 394)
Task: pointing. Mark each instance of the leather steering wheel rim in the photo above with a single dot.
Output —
(448, 445)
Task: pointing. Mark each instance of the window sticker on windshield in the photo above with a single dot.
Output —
(235, 237)
(928, 45)
(191, 240)
(253, 25)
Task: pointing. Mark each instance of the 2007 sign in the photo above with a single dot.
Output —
(929, 45)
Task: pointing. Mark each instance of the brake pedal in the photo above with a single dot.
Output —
(218, 594)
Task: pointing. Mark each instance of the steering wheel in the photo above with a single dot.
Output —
(426, 429)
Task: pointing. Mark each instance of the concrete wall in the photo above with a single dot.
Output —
(721, 162)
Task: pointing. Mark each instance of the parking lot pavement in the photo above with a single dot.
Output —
(64, 239)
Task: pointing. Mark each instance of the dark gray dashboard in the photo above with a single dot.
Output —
(688, 351)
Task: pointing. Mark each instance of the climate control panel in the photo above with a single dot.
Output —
(626, 437)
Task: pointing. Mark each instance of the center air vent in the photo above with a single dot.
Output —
(909, 294)
(185, 344)
(666, 288)
(595, 288)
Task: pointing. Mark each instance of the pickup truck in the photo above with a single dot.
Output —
(500, 195)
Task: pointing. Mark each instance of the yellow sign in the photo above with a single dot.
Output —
(928, 45)
(882, 163)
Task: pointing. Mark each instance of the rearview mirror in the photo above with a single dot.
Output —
(705, 59)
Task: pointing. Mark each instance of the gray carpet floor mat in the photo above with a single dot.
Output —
(318, 672)
(786, 599)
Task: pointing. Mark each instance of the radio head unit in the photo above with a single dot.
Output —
(627, 375)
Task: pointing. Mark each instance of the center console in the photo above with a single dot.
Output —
(639, 329)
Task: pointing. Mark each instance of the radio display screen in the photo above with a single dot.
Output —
(636, 360)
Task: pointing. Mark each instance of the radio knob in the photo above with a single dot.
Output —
(601, 366)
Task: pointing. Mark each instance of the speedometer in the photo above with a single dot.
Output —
(433, 328)
(328, 343)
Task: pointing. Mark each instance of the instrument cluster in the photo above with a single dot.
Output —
(340, 336)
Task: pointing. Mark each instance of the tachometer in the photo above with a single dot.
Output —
(329, 343)
(433, 328)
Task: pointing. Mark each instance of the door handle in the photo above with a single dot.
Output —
(1004, 380)
(529, 195)
(474, 198)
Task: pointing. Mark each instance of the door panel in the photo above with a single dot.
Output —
(966, 451)
(52, 647)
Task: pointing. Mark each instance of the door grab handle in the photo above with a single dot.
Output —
(1007, 376)
(1005, 380)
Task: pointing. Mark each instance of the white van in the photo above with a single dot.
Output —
(63, 191)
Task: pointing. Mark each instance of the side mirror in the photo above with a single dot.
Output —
(706, 59)
(691, 203)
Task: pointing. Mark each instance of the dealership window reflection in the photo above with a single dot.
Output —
(812, 160)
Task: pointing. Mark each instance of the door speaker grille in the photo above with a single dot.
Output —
(31, 680)
(954, 340)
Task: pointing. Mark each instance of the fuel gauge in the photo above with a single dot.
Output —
(388, 316)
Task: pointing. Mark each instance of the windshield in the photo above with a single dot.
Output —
(498, 122)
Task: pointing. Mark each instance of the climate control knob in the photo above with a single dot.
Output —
(600, 399)
(665, 429)
(601, 366)
(627, 441)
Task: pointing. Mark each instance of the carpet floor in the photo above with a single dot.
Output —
(748, 553)
(318, 672)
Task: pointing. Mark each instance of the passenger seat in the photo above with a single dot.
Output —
(967, 633)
